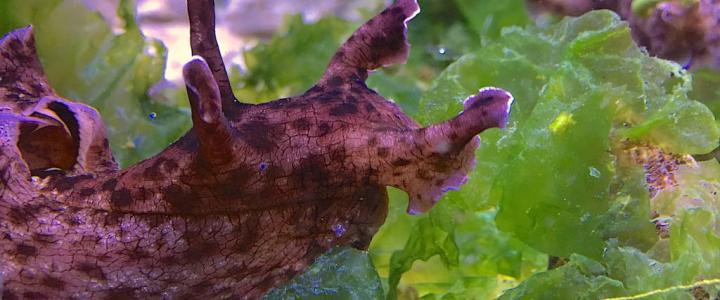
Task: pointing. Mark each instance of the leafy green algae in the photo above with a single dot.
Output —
(342, 273)
(584, 92)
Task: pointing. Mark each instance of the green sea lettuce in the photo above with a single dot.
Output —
(584, 91)
(342, 273)
(291, 61)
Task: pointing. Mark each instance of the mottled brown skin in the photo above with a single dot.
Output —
(248, 198)
(687, 34)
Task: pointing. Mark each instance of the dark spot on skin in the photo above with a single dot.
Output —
(351, 98)
(373, 173)
(18, 215)
(91, 270)
(44, 238)
(138, 254)
(121, 293)
(199, 250)
(235, 182)
(311, 171)
(113, 218)
(68, 183)
(335, 81)
(373, 141)
(278, 103)
(329, 96)
(397, 11)
(26, 250)
(337, 154)
(340, 53)
(344, 109)
(9, 295)
(400, 162)
(121, 198)
(323, 129)
(35, 296)
(383, 151)
(258, 135)
(301, 124)
(357, 89)
(155, 171)
(188, 143)
(315, 89)
(247, 234)
(180, 200)
(86, 192)
(439, 182)
(424, 174)
(370, 108)
(200, 288)
(441, 163)
(110, 185)
(75, 221)
(53, 283)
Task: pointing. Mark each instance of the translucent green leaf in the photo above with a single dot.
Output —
(342, 273)
(705, 89)
(487, 17)
(456, 254)
(292, 61)
(580, 278)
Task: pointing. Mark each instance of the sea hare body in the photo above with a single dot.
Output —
(248, 198)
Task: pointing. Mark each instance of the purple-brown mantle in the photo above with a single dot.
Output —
(248, 198)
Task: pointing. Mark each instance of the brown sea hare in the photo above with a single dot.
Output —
(248, 198)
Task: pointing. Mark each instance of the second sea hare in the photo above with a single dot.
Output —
(248, 198)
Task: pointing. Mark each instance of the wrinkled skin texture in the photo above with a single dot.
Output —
(248, 198)
(687, 34)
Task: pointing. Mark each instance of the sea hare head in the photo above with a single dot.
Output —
(437, 159)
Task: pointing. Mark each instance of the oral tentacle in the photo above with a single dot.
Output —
(209, 123)
(431, 161)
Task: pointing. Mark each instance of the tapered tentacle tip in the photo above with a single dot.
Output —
(194, 69)
(491, 105)
(382, 41)
(203, 90)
